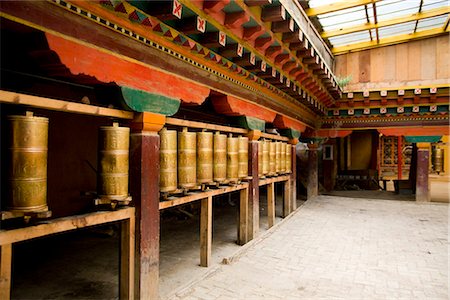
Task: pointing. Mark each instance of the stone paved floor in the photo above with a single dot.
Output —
(342, 248)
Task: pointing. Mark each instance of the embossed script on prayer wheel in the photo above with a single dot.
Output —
(288, 158)
(243, 157)
(260, 158)
(27, 178)
(232, 158)
(438, 158)
(114, 143)
(168, 160)
(282, 158)
(277, 157)
(220, 157)
(272, 157)
(265, 157)
(187, 159)
(204, 157)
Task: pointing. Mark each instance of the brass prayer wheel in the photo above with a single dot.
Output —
(282, 157)
(438, 159)
(288, 158)
(168, 160)
(204, 157)
(272, 157)
(265, 157)
(220, 157)
(232, 159)
(243, 157)
(187, 159)
(113, 153)
(27, 174)
(277, 157)
(260, 158)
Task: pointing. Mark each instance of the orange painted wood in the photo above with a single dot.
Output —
(414, 61)
(364, 66)
(428, 59)
(443, 57)
(283, 122)
(232, 106)
(415, 131)
(81, 59)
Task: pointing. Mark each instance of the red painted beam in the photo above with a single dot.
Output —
(331, 133)
(263, 43)
(105, 67)
(236, 19)
(283, 122)
(415, 131)
(251, 33)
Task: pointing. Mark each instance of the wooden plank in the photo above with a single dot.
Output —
(273, 179)
(377, 64)
(253, 194)
(428, 59)
(274, 137)
(243, 217)
(353, 67)
(401, 62)
(60, 105)
(198, 196)
(5, 271)
(389, 60)
(201, 125)
(341, 65)
(205, 231)
(64, 224)
(271, 204)
(286, 199)
(127, 243)
(364, 66)
(442, 57)
(293, 178)
(414, 62)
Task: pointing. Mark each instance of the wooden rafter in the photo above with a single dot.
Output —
(414, 17)
(389, 41)
(336, 6)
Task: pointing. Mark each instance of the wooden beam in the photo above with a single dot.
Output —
(273, 13)
(127, 259)
(271, 204)
(286, 198)
(337, 5)
(283, 26)
(5, 271)
(257, 2)
(367, 26)
(205, 231)
(389, 41)
(243, 217)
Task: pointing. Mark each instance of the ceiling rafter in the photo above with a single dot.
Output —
(335, 6)
(414, 17)
(389, 40)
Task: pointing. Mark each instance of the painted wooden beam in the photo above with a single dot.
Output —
(284, 122)
(337, 5)
(423, 139)
(415, 131)
(331, 133)
(82, 59)
(232, 106)
(283, 26)
(273, 13)
(257, 2)
(141, 101)
(251, 123)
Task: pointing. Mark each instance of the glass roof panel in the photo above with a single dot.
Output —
(397, 29)
(432, 22)
(344, 18)
(350, 38)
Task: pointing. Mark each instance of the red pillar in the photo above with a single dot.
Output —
(422, 183)
(144, 186)
(253, 192)
(313, 176)
(399, 157)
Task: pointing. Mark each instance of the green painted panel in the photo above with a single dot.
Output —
(251, 123)
(141, 101)
(423, 139)
(290, 133)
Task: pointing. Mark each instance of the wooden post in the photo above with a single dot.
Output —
(253, 192)
(313, 178)
(144, 186)
(5, 271)
(294, 175)
(286, 199)
(243, 217)
(422, 183)
(205, 231)
(399, 157)
(127, 246)
(271, 204)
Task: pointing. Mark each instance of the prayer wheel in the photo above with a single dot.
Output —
(168, 160)
(277, 157)
(272, 157)
(288, 158)
(204, 157)
(438, 159)
(220, 157)
(113, 153)
(187, 159)
(27, 178)
(243, 157)
(260, 158)
(282, 157)
(265, 157)
(232, 159)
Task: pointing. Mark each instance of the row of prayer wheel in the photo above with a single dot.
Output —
(27, 172)
(189, 159)
(274, 158)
